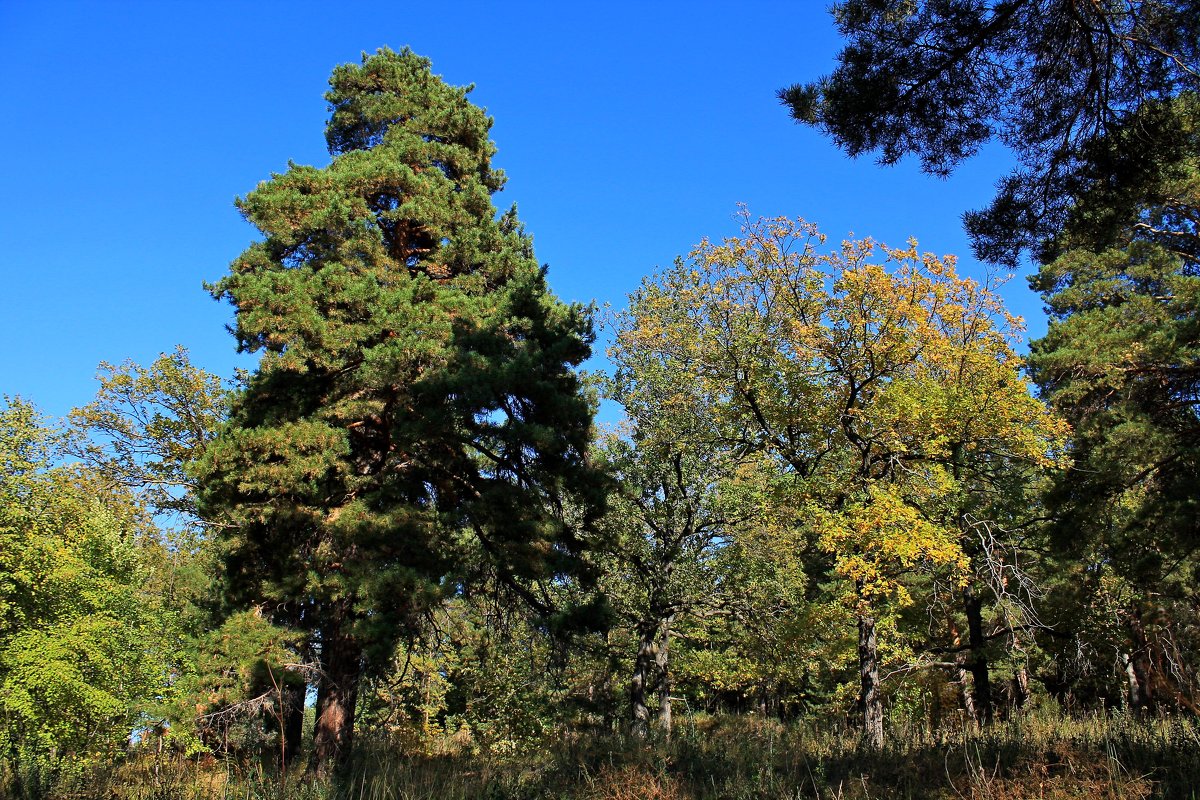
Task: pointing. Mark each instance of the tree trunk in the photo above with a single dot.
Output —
(643, 668)
(981, 683)
(964, 690)
(1141, 667)
(337, 695)
(870, 699)
(1020, 679)
(663, 661)
(293, 720)
(1020, 689)
(1134, 695)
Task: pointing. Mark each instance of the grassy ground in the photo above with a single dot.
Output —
(731, 758)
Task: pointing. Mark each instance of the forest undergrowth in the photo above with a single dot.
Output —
(1041, 755)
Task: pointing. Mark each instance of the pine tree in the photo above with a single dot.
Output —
(1074, 89)
(1121, 361)
(416, 397)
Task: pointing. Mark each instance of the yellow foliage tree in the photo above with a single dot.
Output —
(884, 386)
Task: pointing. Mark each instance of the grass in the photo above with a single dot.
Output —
(732, 758)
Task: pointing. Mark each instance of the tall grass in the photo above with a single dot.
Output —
(733, 758)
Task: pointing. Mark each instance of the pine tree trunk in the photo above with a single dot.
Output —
(643, 667)
(337, 696)
(981, 683)
(870, 699)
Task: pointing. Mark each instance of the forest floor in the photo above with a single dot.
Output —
(728, 757)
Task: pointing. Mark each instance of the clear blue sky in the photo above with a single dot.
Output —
(628, 131)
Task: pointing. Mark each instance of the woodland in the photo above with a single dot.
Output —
(851, 537)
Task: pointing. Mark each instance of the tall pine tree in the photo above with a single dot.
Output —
(416, 398)
(1121, 361)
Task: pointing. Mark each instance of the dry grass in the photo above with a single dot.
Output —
(729, 758)
(633, 782)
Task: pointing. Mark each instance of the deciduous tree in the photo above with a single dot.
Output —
(79, 651)
(147, 425)
(877, 388)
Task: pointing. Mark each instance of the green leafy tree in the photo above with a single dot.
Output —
(143, 433)
(416, 382)
(668, 523)
(670, 512)
(79, 651)
(767, 637)
(482, 673)
(1070, 87)
(147, 425)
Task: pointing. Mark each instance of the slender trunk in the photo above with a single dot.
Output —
(663, 661)
(964, 690)
(1020, 689)
(293, 720)
(1020, 678)
(607, 693)
(337, 695)
(1143, 696)
(1135, 693)
(870, 699)
(978, 664)
(966, 699)
(643, 667)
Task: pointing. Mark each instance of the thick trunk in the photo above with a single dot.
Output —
(870, 699)
(337, 695)
(663, 661)
(643, 669)
(981, 683)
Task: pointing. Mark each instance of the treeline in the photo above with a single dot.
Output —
(835, 495)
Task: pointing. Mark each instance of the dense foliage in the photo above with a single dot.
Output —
(1121, 360)
(883, 394)
(79, 645)
(836, 540)
(415, 396)
(1073, 88)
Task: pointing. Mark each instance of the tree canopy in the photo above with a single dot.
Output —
(1069, 87)
(1121, 360)
(886, 393)
(832, 494)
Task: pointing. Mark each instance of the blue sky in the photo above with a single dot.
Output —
(628, 132)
